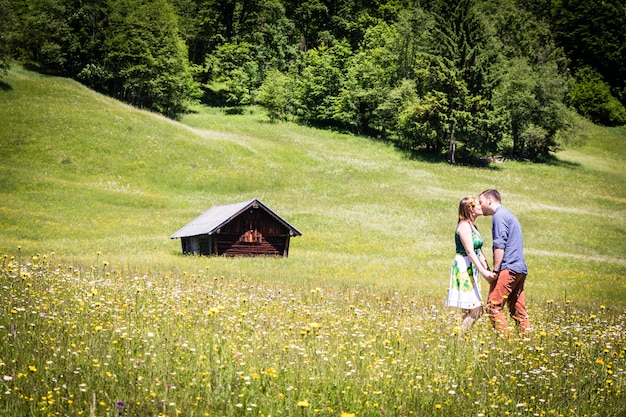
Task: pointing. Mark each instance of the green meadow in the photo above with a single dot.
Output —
(101, 314)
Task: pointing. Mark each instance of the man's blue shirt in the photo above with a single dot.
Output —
(507, 235)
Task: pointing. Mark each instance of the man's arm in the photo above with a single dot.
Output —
(498, 255)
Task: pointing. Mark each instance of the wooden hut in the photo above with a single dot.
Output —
(248, 228)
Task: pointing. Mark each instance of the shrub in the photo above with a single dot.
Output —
(591, 97)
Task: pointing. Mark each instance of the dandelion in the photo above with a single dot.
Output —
(32, 368)
(399, 345)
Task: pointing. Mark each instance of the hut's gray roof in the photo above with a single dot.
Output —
(214, 218)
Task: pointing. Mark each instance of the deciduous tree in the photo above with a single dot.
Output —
(275, 94)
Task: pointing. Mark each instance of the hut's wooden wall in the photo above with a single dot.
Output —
(254, 219)
(230, 245)
(252, 233)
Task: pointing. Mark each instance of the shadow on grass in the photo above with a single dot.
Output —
(421, 155)
(5, 87)
(41, 70)
(489, 163)
(555, 161)
(234, 110)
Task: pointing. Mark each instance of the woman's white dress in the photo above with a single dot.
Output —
(464, 290)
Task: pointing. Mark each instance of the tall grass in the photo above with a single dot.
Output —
(92, 342)
(102, 315)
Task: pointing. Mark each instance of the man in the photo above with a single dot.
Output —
(508, 264)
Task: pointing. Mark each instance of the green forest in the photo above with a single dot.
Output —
(462, 80)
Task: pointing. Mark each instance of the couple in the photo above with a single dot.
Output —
(506, 280)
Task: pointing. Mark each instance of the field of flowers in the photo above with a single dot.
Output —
(110, 341)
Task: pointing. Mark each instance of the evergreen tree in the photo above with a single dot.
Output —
(275, 37)
(593, 34)
(199, 28)
(44, 38)
(311, 17)
(453, 68)
(7, 31)
(145, 56)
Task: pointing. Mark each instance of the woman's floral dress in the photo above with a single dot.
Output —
(464, 291)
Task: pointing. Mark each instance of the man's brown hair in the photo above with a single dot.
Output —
(493, 193)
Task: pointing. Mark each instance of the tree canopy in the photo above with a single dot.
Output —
(461, 79)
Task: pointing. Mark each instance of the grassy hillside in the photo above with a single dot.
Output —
(88, 180)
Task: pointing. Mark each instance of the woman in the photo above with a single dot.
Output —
(469, 263)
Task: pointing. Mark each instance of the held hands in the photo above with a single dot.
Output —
(490, 276)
